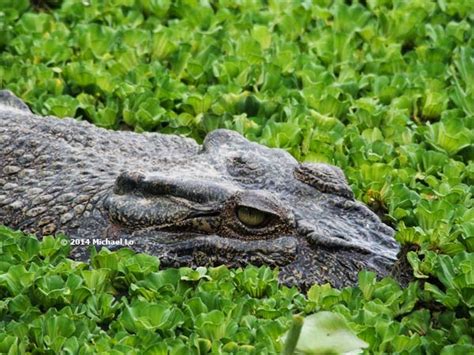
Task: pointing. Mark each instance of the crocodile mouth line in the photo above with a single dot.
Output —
(213, 249)
(178, 248)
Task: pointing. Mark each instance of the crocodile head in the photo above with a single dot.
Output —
(236, 202)
(228, 201)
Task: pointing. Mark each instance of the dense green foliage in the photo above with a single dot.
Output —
(383, 90)
(122, 302)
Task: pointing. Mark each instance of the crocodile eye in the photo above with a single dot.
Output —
(252, 217)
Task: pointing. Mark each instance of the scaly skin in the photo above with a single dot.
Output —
(229, 201)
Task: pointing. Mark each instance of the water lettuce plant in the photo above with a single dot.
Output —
(122, 302)
(383, 89)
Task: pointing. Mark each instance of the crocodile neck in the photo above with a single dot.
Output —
(55, 173)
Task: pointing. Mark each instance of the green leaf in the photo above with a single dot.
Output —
(161, 46)
(150, 114)
(199, 273)
(58, 326)
(20, 5)
(158, 8)
(102, 308)
(212, 325)
(34, 22)
(449, 298)
(450, 137)
(255, 281)
(327, 333)
(434, 104)
(81, 74)
(61, 106)
(16, 279)
(323, 295)
(145, 316)
(200, 104)
(96, 280)
(415, 263)
(263, 35)
(457, 349)
(100, 40)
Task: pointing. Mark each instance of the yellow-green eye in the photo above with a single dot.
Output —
(252, 217)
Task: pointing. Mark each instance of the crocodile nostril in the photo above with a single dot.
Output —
(127, 182)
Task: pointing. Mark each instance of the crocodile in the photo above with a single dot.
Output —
(226, 201)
